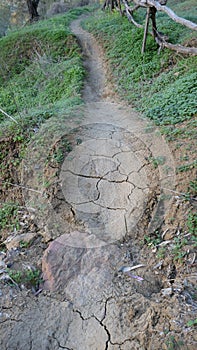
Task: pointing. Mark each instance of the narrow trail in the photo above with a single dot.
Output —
(108, 184)
(109, 181)
(111, 174)
(95, 84)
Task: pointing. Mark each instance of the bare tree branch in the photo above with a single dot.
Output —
(168, 11)
(177, 47)
(129, 13)
(152, 7)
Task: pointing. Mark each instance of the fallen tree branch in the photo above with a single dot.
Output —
(168, 11)
(25, 188)
(152, 7)
(129, 13)
(176, 47)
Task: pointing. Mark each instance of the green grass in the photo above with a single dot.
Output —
(192, 323)
(187, 167)
(30, 278)
(41, 79)
(161, 86)
(173, 344)
(193, 188)
(9, 216)
(192, 224)
(171, 132)
(41, 70)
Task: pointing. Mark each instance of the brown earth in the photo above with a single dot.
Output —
(104, 208)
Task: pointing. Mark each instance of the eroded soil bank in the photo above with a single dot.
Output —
(105, 197)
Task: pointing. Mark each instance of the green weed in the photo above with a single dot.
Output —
(192, 191)
(23, 244)
(152, 241)
(160, 160)
(187, 167)
(173, 344)
(9, 216)
(193, 187)
(192, 323)
(30, 278)
(63, 148)
(192, 224)
(16, 276)
(161, 252)
(177, 249)
(58, 156)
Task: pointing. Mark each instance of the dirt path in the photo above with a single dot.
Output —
(111, 172)
(96, 80)
(110, 195)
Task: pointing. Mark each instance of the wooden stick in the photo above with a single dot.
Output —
(24, 187)
(119, 7)
(146, 29)
(129, 13)
(7, 115)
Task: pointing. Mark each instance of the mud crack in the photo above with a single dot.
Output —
(99, 321)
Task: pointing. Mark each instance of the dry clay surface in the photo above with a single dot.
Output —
(106, 183)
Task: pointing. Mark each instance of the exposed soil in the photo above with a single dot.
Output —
(105, 194)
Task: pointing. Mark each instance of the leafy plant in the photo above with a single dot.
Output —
(16, 276)
(153, 240)
(192, 223)
(9, 216)
(157, 161)
(192, 323)
(63, 147)
(58, 155)
(161, 252)
(187, 167)
(173, 344)
(30, 278)
(24, 244)
(178, 244)
(193, 187)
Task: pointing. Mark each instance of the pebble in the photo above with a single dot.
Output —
(166, 291)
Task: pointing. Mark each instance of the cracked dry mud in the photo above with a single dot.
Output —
(107, 188)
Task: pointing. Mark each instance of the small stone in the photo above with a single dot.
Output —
(37, 166)
(15, 241)
(159, 265)
(166, 292)
(2, 264)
